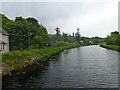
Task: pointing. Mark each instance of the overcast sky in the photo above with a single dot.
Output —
(93, 18)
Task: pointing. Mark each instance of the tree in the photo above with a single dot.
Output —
(57, 31)
(37, 42)
(65, 37)
(78, 36)
(113, 38)
(58, 34)
(23, 32)
(33, 21)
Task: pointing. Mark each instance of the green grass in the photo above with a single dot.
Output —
(112, 47)
(16, 60)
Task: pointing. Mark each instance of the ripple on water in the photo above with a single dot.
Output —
(84, 67)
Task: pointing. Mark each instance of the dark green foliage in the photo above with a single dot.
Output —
(25, 33)
(78, 36)
(95, 40)
(57, 31)
(113, 38)
(33, 21)
(65, 37)
(112, 41)
(3, 20)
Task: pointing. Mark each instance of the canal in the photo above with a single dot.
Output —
(82, 67)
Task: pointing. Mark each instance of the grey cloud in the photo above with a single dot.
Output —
(48, 13)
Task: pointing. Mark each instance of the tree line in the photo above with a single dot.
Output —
(65, 38)
(113, 38)
(27, 33)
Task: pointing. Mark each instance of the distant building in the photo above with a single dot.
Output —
(90, 41)
(81, 41)
(4, 41)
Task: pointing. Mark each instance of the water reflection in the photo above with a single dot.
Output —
(84, 67)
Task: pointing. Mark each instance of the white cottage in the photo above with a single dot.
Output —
(4, 41)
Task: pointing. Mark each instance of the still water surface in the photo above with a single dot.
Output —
(83, 67)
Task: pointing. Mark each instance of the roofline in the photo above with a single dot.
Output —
(3, 32)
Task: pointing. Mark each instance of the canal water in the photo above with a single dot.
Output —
(82, 67)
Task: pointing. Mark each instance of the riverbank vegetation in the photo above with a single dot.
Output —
(112, 47)
(17, 60)
(28, 33)
(112, 41)
(31, 44)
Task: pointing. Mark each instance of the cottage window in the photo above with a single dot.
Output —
(3, 47)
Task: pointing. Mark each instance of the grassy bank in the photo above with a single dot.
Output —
(112, 47)
(17, 60)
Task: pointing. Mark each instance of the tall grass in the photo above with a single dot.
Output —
(112, 47)
(16, 60)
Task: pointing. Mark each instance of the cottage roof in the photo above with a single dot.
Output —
(2, 42)
(3, 32)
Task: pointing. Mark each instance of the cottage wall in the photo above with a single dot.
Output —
(0, 36)
(5, 38)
